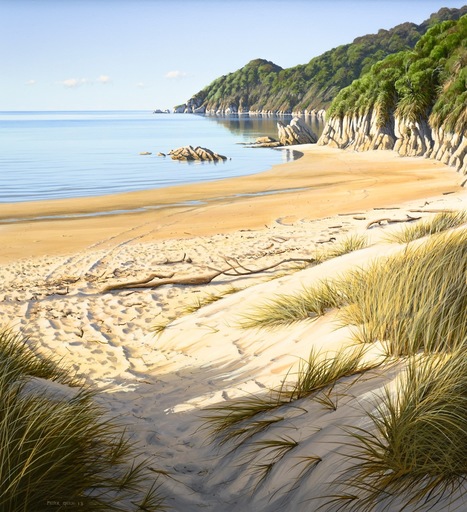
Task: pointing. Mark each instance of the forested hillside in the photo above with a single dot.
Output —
(414, 101)
(262, 86)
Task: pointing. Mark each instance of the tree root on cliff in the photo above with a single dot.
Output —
(234, 268)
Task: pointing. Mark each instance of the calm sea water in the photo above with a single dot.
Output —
(49, 155)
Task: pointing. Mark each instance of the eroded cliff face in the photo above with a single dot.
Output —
(196, 106)
(364, 132)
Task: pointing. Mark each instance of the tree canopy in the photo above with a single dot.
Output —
(429, 80)
(263, 85)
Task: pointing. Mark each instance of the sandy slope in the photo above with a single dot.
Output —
(158, 384)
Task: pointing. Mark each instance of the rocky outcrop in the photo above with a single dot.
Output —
(408, 138)
(195, 106)
(192, 106)
(265, 142)
(450, 148)
(361, 133)
(189, 153)
(297, 132)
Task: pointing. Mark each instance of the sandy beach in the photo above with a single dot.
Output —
(161, 355)
(323, 182)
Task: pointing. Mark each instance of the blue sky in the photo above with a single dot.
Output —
(146, 54)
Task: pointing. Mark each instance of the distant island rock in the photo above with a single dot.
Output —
(159, 111)
(189, 153)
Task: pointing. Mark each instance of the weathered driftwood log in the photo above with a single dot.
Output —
(390, 221)
(234, 268)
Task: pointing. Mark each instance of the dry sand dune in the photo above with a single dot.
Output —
(54, 273)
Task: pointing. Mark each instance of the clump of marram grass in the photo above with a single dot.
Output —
(233, 420)
(414, 453)
(346, 245)
(287, 309)
(412, 301)
(208, 299)
(20, 356)
(59, 448)
(437, 224)
(319, 372)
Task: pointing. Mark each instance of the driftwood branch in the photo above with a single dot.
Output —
(234, 269)
(378, 222)
(440, 210)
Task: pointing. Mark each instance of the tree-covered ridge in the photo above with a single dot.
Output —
(430, 79)
(243, 87)
(264, 86)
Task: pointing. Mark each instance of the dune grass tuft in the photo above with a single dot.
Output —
(415, 452)
(412, 301)
(237, 420)
(346, 245)
(20, 357)
(61, 449)
(270, 452)
(437, 224)
(208, 299)
(287, 309)
(318, 373)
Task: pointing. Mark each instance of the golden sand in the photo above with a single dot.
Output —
(322, 183)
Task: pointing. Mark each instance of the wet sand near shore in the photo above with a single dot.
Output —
(324, 182)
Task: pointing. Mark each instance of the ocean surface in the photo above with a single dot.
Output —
(51, 155)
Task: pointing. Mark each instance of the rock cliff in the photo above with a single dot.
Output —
(362, 133)
(414, 102)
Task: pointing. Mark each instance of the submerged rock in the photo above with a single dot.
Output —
(189, 153)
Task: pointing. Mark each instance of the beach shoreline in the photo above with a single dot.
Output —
(159, 355)
(324, 182)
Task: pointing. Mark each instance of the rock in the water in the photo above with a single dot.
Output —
(265, 142)
(189, 153)
(144, 153)
(161, 154)
(297, 132)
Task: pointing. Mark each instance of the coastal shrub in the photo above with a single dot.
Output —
(57, 450)
(413, 453)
